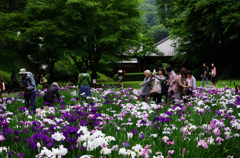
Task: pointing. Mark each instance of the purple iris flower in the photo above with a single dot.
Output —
(125, 144)
(21, 155)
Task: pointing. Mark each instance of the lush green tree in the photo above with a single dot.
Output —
(44, 32)
(205, 31)
(8, 6)
(109, 27)
(158, 33)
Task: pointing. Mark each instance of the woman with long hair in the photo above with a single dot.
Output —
(159, 79)
(84, 80)
(214, 75)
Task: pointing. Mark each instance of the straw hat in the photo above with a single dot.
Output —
(23, 71)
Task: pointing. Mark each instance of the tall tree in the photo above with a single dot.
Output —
(109, 27)
(205, 31)
(44, 31)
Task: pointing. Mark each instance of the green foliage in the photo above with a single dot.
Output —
(6, 77)
(39, 87)
(149, 15)
(8, 6)
(205, 31)
(158, 32)
(131, 77)
(104, 78)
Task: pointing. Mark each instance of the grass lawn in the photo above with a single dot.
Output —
(12, 95)
(135, 85)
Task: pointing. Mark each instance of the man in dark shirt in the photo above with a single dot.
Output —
(205, 74)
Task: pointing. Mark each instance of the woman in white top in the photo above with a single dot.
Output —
(191, 80)
(159, 79)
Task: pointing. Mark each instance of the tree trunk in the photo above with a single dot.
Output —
(51, 67)
(76, 62)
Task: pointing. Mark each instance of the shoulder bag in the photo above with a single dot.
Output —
(154, 89)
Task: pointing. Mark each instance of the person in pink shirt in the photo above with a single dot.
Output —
(172, 77)
(214, 75)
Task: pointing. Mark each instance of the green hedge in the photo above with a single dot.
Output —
(131, 77)
(100, 77)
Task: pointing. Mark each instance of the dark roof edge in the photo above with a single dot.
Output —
(163, 40)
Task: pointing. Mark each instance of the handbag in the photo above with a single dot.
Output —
(154, 89)
(164, 89)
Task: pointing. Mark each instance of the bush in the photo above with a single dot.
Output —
(131, 77)
(6, 77)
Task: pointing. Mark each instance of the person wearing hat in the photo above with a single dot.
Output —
(52, 93)
(28, 83)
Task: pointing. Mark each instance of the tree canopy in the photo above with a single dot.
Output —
(205, 31)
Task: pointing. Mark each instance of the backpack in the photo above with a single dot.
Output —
(124, 73)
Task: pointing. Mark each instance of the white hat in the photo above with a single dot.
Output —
(55, 84)
(23, 71)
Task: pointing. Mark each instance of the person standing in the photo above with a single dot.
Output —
(184, 81)
(52, 93)
(155, 71)
(84, 80)
(28, 83)
(159, 79)
(37, 79)
(42, 80)
(205, 74)
(237, 90)
(13, 80)
(178, 89)
(1, 89)
(120, 77)
(213, 75)
(172, 77)
(191, 80)
(74, 80)
(146, 86)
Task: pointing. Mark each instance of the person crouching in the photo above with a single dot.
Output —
(52, 93)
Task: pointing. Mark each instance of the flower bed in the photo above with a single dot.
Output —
(115, 123)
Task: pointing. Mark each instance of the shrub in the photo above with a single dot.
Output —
(6, 77)
(131, 77)
(39, 87)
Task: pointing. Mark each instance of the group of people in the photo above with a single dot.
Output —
(39, 80)
(28, 82)
(212, 72)
(167, 85)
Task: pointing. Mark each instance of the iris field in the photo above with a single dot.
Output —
(115, 123)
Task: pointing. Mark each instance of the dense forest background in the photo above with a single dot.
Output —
(152, 24)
